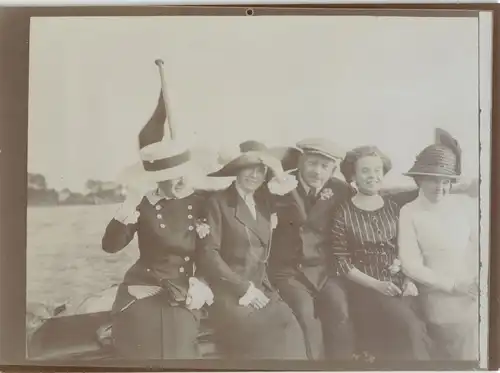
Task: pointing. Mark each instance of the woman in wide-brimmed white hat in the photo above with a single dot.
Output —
(250, 318)
(438, 245)
(156, 313)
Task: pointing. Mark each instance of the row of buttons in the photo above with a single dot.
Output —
(181, 269)
(163, 226)
(158, 207)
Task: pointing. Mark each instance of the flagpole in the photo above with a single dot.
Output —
(159, 62)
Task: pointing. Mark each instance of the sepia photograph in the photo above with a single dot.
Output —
(244, 188)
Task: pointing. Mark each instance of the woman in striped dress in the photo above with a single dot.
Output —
(364, 243)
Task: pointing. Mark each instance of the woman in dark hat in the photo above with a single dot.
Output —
(364, 243)
(156, 313)
(439, 250)
(250, 318)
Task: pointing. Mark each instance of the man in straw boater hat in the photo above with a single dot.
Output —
(439, 250)
(300, 264)
(251, 320)
(156, 313)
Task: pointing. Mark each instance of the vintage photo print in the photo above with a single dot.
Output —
(267, 187)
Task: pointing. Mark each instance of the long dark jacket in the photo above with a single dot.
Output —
(301, 239)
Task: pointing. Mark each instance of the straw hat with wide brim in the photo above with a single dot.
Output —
(253, 153)
(161, 161)
(442, 159)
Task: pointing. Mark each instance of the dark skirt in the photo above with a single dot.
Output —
(153, 328)
(272, 332)
(388, 327)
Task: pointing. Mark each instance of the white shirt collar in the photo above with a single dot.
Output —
(246, 196)
(306, 187)
(156, 196)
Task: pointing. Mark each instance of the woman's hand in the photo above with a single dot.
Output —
(260, 300)
(468, 287)
(127, 213)
(387, 288)
(198, 294)
(409, 289)
(254, 297)
(274, 165)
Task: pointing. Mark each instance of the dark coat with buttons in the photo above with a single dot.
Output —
(166, 235)
(158, 326)
(301, 239)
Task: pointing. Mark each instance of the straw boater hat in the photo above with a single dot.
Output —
(253, 153)
(161, 157)
(442, 159)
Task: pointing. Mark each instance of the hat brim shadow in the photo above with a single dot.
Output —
(136, 174)
(288, 156)
(412, 174)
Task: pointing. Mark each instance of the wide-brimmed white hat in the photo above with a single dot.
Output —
(162, 161)
(252, 152)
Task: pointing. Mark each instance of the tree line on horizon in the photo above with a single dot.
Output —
(96, 192)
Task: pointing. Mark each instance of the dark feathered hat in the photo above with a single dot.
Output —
(443, 158)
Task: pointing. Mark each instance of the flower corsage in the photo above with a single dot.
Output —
(395, 267)
(202, 228)
(326, 194)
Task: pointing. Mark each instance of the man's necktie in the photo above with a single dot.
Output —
(311, 198)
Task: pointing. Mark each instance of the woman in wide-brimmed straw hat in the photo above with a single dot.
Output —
(438, 245)
(250, 318)
(156, 313)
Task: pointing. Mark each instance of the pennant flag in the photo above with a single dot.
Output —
(154, 130)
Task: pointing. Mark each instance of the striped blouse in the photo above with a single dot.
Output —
(366, 240)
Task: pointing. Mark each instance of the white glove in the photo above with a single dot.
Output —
(254, 297)
(282, 184)
(273, 163)
(127, 213)
(199, 293)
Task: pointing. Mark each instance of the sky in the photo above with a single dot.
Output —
(387, 81)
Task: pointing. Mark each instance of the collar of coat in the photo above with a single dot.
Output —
(333, 183)
(155, 196)
(261, 226)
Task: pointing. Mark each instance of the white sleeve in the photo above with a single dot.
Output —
(412, 261)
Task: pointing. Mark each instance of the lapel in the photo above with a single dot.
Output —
(297, 198)
(261, 226)
(322, 205)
